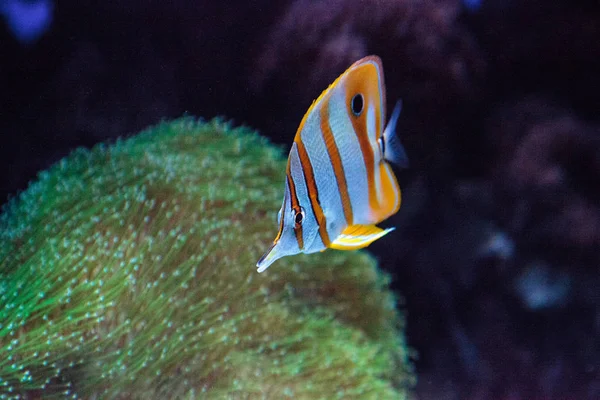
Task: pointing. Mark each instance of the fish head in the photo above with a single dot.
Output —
(297, 231)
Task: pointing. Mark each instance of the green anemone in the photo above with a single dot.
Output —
(128, 271)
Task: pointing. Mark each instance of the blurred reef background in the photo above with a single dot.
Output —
(497, 249)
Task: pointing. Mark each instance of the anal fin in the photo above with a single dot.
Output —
(358, 236)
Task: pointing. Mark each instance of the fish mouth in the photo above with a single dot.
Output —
(268, 258)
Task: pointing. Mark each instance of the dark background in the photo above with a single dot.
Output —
(496, 258)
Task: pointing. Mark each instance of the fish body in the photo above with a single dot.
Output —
(339, 183)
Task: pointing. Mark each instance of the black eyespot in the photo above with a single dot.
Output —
(299, 217)
(357, 104)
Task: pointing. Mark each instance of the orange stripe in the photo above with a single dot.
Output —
(295, 207)
(391, 191)
(282, 212)
(336, 162)
(280, 226)
(313, 193)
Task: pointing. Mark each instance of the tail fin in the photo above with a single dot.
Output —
(393, 150)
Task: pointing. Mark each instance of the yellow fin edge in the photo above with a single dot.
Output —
(358, 236)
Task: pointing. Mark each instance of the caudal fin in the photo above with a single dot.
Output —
(393, 150)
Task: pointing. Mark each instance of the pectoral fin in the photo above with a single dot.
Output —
(393, 149)
(358, 236)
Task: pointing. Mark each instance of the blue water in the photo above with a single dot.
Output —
(27, 20)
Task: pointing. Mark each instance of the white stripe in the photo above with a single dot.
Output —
(372, 127)
(376, 153)
(351, 156)
(329, 195)
(381, 91)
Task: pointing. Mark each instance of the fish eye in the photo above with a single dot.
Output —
(298, 217)
(357, 104)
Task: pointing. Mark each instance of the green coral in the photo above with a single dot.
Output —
(128, 271)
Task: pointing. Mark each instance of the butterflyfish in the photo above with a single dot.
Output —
(339, 183)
